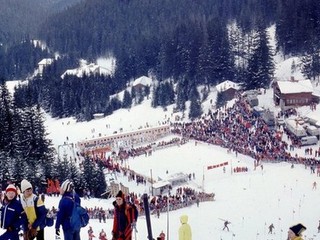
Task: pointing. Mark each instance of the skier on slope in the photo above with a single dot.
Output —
(271, 227)
(226, 223)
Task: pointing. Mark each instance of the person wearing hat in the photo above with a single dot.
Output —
(12, 215)
(295, 232)
(65, 208)
(35, 211)
(123, 220)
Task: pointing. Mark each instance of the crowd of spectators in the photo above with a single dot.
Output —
(239, 130)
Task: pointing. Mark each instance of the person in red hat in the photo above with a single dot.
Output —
(12, 215)
(123, 220)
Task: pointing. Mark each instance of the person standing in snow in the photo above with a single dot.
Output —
(90, 233)
(271, 227)
(12, 215)
(69, 198)
(102, 235)
(35, 211)
(185, 232)
(123, 220)
(295, 232)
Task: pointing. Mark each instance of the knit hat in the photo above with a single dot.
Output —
(11, 188)
(120, 195)
(25, 184)
(298, 229)
(66, 186)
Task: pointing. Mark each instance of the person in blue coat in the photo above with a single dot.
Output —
(13, 217)
(65, 211)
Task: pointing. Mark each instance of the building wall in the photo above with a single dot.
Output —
(292, 99)
(124, 140)
(229, 94)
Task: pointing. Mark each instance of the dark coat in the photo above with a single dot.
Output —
(13, 215)
(65, 210)
(122, 221)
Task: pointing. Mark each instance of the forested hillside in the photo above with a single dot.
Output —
(20, 19)
(181, 43)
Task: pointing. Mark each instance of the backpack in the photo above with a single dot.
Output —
(79, 217)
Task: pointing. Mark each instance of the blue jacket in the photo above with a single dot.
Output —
(41, 212)
(65, 210)
(13, 215)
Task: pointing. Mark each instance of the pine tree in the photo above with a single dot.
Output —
(62, 169)
(5, 168)
(220, 101)
(127, 100)
(182, 95)
(94, 177)
(195, 105)
(311, 63)
(260, 68)
(6, 118)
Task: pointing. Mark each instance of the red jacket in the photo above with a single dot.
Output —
(122, 221)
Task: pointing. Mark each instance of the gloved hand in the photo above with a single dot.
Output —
(32, 233)
(58, 232)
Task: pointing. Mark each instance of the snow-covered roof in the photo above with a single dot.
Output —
(87, 69)
(143, 81)
(161, 184)
(46, 61)
(301, 86)
(221, 87)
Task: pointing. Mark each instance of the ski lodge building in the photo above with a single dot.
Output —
(228, 89)
(124, 140)
(293, 93)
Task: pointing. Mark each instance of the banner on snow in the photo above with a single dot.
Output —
(217, 165)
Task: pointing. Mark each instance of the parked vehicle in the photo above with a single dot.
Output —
(295, 128)
(309, 140)
(258, 111)
(268, 118)
(313, 131)
(253, 100)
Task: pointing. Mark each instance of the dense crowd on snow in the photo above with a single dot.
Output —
(238, 129)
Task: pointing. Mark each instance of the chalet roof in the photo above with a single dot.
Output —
(302, 86)
(143, 81)
(221, 87)
(46, 61)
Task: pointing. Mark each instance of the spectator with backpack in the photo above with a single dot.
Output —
(65, 210)
(124, 218)
(35, 211)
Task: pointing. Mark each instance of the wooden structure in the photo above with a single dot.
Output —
(293, 93)
(228, 89)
